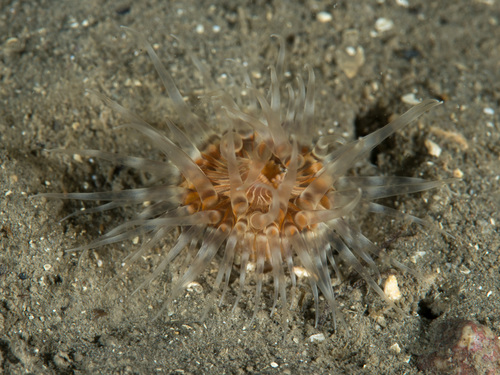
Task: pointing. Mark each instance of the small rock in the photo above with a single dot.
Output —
(489, 111)
(324, 17)
(463, 347)
(318, 337)
(410, 98)
(194, 287)
(300, 272)
(391, 288)
(457, 173)
(403, 3)
(383, 24)
(395, 348)
(432, 148)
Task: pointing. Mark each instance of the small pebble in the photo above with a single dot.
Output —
(395, 348)
(200, 29)
(383, 24)
(432, 148)
(489, 111)
(391, 288)
(300, 272)
(318, 337)
(403, 3)
(410, 99)
(77, 158)
(462, 347)
(457, 173)
(351, 51)
(324, 17)
(194, 287)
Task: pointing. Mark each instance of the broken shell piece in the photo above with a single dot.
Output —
(324, 17)
(194, 287)
(318, 337)
(410, 99)
(457, 173)
(391, 288)
(432, 148)
(383, 24)
(300, 272)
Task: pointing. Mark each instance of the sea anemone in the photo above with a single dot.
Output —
(256, 187)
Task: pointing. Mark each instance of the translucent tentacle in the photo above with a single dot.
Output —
(147, 165)
(210, 246)
(354, 150)
(376, 187)
(351, 259)
(306, 218)
(161, 192)
(182, 242)
(180, 106)
(261, 250)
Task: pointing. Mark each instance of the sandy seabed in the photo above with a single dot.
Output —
(371, 59)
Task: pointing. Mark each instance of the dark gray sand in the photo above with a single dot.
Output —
(57, 317)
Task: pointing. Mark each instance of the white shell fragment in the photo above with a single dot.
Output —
(324, 17)
(457, 173)
(410, 99)
(194, 287)
(391, 288)
(489, 111)
(318, 337)
(300, 272)
(77, 158)
(383, 24)
(432, 148)
(200, 29)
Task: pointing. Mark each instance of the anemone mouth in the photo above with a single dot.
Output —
(262, 191)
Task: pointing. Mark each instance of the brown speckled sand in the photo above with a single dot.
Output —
(57, 317)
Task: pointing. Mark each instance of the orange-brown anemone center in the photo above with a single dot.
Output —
(259, 188)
